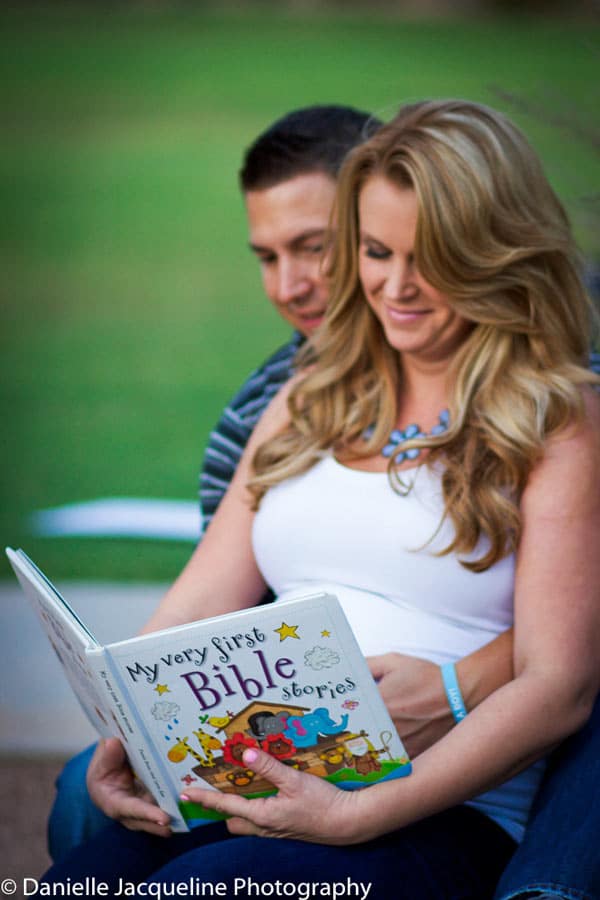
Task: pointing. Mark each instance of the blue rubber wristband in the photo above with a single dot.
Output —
(455, 698)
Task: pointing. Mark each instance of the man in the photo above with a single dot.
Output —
(288, 180)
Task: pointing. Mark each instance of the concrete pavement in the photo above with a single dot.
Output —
(39, 715)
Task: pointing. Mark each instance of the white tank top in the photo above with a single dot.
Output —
(350, 528)
(350, 531)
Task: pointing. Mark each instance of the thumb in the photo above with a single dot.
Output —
(109, 756)
(282, 777)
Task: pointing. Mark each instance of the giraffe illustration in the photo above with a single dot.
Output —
(180, 750)
(208, 743)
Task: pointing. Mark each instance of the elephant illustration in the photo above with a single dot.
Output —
(265, 723)
(304, 731)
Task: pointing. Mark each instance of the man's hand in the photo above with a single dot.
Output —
(114, 788)
(414, 694)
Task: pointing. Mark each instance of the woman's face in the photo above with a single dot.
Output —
(417, 319)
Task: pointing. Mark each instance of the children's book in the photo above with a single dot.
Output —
(287, 677)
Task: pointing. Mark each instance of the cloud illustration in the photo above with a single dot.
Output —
(321, 658)
(163, 710)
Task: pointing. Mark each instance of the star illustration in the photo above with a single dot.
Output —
(325, 633)
(162, 689)
(287, 631)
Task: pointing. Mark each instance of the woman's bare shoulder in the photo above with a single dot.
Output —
(582, 436)
(568, 475)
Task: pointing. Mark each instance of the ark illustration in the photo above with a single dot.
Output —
(308, 739)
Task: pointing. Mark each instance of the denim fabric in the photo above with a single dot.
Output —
(456, 855)
(560, 854)
(73, 818)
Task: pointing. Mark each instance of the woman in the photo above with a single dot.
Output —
(454, 288)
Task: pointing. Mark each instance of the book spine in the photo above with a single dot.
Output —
(137, 742)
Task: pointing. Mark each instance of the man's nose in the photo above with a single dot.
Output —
(293, 281)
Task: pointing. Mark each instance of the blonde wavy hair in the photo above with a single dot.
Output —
(493, 237)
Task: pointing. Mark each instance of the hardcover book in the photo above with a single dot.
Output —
(287, 677)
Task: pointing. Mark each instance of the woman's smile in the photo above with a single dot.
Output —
(417, 319)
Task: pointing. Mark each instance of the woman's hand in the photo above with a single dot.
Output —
(306, 808)
(413, 691)
(115, 790)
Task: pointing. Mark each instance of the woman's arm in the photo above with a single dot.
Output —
(221, 576)
(485, 670)
(557, 631)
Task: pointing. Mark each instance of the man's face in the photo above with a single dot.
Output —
(288, 227)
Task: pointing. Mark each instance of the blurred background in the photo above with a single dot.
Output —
(130, 307)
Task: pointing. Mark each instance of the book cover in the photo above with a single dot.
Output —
(287, 677)
(85, 664)
(68, 636)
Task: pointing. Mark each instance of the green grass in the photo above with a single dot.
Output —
(130, 307)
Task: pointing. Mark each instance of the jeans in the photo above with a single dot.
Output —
(73, 818)
(560, 854)
(456, 855)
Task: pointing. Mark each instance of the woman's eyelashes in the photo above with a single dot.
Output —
(376, 251)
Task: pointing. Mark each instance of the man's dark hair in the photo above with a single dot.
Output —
(312, 139)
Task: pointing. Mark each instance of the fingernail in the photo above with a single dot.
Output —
(250, 756)
(183, 797)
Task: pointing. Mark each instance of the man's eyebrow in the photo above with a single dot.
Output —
(295, 241)
(256, 248)
(308, 234)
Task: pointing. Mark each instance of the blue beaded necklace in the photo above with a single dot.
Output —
(398, 437)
